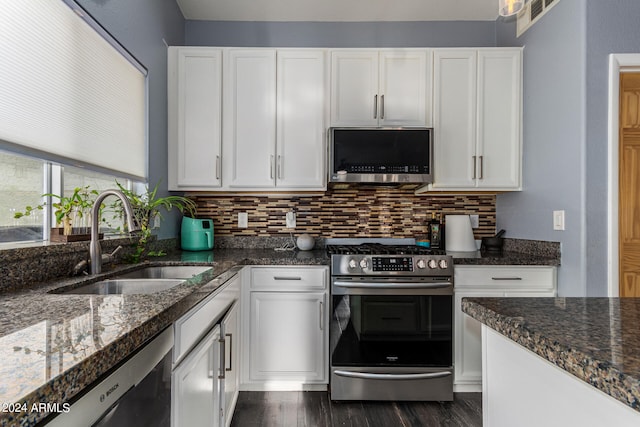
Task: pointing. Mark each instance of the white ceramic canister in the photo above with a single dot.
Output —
(305, 242)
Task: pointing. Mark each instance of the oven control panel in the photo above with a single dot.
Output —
(392, 263)
(397, 265)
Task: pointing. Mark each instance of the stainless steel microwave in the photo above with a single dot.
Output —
(381, 155)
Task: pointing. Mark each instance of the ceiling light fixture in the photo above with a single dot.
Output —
(510, 7)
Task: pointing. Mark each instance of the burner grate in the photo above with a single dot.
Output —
(381, 249)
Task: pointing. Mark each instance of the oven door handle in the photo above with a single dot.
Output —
(395, 285)
(372, 376)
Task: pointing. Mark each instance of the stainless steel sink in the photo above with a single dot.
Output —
(126, 286)
(165, 272)
(147, 280)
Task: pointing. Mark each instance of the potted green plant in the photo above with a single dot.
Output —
(67, 209)
(146, 208)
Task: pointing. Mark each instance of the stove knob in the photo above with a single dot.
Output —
(352, 263)
(363, 263)
(433, 263)
(421, 264)
(443, 263)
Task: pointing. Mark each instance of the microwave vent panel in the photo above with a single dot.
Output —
(532, 12)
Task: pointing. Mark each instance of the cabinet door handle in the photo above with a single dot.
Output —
(221, 340)
(481, 167)
(287, 278)
(474, 166)
(321, 315)
(506, 278)
(230, 353)
(279, 166)
(271, 160)
(382, 107)
(217, 167)
(375, 106)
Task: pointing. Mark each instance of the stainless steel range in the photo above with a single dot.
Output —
(391, 325)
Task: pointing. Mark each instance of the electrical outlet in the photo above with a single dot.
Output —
(558, 220)
(243, 220)
(475, 221)
(291, 219)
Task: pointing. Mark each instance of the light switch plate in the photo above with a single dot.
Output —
(475, 221)
(243, 220)
(558, 220)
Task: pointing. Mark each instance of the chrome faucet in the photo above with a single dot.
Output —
(95, 250)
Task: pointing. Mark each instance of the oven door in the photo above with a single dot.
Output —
(391, 341)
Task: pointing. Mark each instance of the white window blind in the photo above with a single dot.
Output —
(67, 92)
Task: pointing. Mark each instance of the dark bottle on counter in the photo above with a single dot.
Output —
(435, 232)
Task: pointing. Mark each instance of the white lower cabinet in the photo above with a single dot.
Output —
(195, 389)
(229, 334)
(205, 378)
(489, 281)
(286, 339)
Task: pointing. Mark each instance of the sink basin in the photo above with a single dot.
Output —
(126, 286)
(165, 272)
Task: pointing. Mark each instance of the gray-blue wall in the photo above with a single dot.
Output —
(554, 138)
(340, 34)
(610, 30)
(140, 26)
(565, 132)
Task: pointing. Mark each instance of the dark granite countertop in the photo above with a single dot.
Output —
(594, 339)
(502, 258)
(52, 346)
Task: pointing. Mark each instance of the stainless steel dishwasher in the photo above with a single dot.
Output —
(189, 362)
(137, 393)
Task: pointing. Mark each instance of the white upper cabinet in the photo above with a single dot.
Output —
(274, 121)
(301, 124)
(194, 117)
(477, 119)
(499, 117)
(454, 92)
(381, 87)
(249, 146)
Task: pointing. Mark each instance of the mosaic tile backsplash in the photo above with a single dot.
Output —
(357, 212)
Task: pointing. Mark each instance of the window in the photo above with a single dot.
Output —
(24, 182)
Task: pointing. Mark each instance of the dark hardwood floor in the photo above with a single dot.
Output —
(288, 409)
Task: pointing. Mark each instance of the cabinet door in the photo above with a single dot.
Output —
(287, 340)
(405, 88)
(229, 331)
(249, 146)
(354, 88)
(468, 342)
(499, 117)
(454, 113)
(490, 281)
(195, 388)
(194, 118)
(301, 119)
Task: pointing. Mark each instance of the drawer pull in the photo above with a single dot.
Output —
(506, 278)
(287, 278)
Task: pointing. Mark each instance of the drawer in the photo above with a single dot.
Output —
(195, 324)
(505, 277)
(289, 278)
